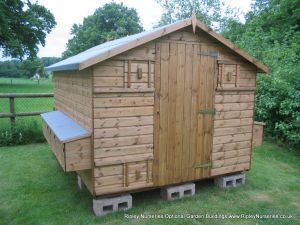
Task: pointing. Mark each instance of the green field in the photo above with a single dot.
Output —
(28, 129)
(35, 190)
(20, 85)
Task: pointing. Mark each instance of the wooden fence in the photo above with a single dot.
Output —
(12, 114)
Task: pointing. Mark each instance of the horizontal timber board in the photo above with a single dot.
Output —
(232, 130)
(108, 71)
(123, 131)
(236, 89)
(231, 146)
(123, 112)
(233, 122)
(232, 138)
(230, 169)
(122, 90)
(231, 161)
(122, 151)
(235, 92)
(108, 82)
(233, 114)
(123, 159)
(117, 189)
(139, 85)
(123, 101)
(123, 121)
(123, 141)
(234, 98)
(234, 106)
(129, 94)
(230, 154)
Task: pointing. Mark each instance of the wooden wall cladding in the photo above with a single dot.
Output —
(123, 121)
(73, 95)
(233, 124)
(123, 141)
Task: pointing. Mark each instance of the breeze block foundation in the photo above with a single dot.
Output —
(176, 192)
(80, 183)
(104, 206)
(233, 180)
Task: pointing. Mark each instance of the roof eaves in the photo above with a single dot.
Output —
(74, 66)
(260, 66)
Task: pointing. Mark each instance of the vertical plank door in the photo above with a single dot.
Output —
(184, 100)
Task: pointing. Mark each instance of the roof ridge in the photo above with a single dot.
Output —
(109, 49)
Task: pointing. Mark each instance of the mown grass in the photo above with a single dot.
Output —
(34, 190)
(28, 129)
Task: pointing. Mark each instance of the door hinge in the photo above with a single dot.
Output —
(208, 111)
(211, 54)
(203, 165)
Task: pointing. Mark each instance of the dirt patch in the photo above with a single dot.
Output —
(297, 204)
(261, 197)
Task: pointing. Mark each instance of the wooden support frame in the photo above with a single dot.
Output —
(129, 74)
(148, 171)
(237, 68)
(149, 74)
(222, 74)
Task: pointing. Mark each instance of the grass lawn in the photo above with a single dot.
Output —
(34, 190)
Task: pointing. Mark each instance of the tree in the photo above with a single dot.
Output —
(208, 11)
(10, 68)
(23, 26)
(31, 66)
(109, 22)
(272, 34)
(47, 61)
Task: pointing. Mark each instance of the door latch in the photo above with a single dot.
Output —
(203, 165)
(208, 111)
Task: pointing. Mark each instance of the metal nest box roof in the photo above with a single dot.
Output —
(109, 49)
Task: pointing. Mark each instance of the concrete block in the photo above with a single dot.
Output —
(233, 180)
(80, 183)
(104, 206)
(176, 192)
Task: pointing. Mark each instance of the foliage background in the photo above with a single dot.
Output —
(272, 34)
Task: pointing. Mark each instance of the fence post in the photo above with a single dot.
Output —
(12, 111)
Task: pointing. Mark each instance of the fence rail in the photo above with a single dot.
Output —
(12, 114)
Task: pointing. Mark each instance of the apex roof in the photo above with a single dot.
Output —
(109, 49)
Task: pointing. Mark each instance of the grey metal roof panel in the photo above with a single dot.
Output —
(73, 62)
(64, 128)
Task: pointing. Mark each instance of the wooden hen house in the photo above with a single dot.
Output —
(158, 108)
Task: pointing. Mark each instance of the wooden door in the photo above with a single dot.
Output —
(184, 98)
